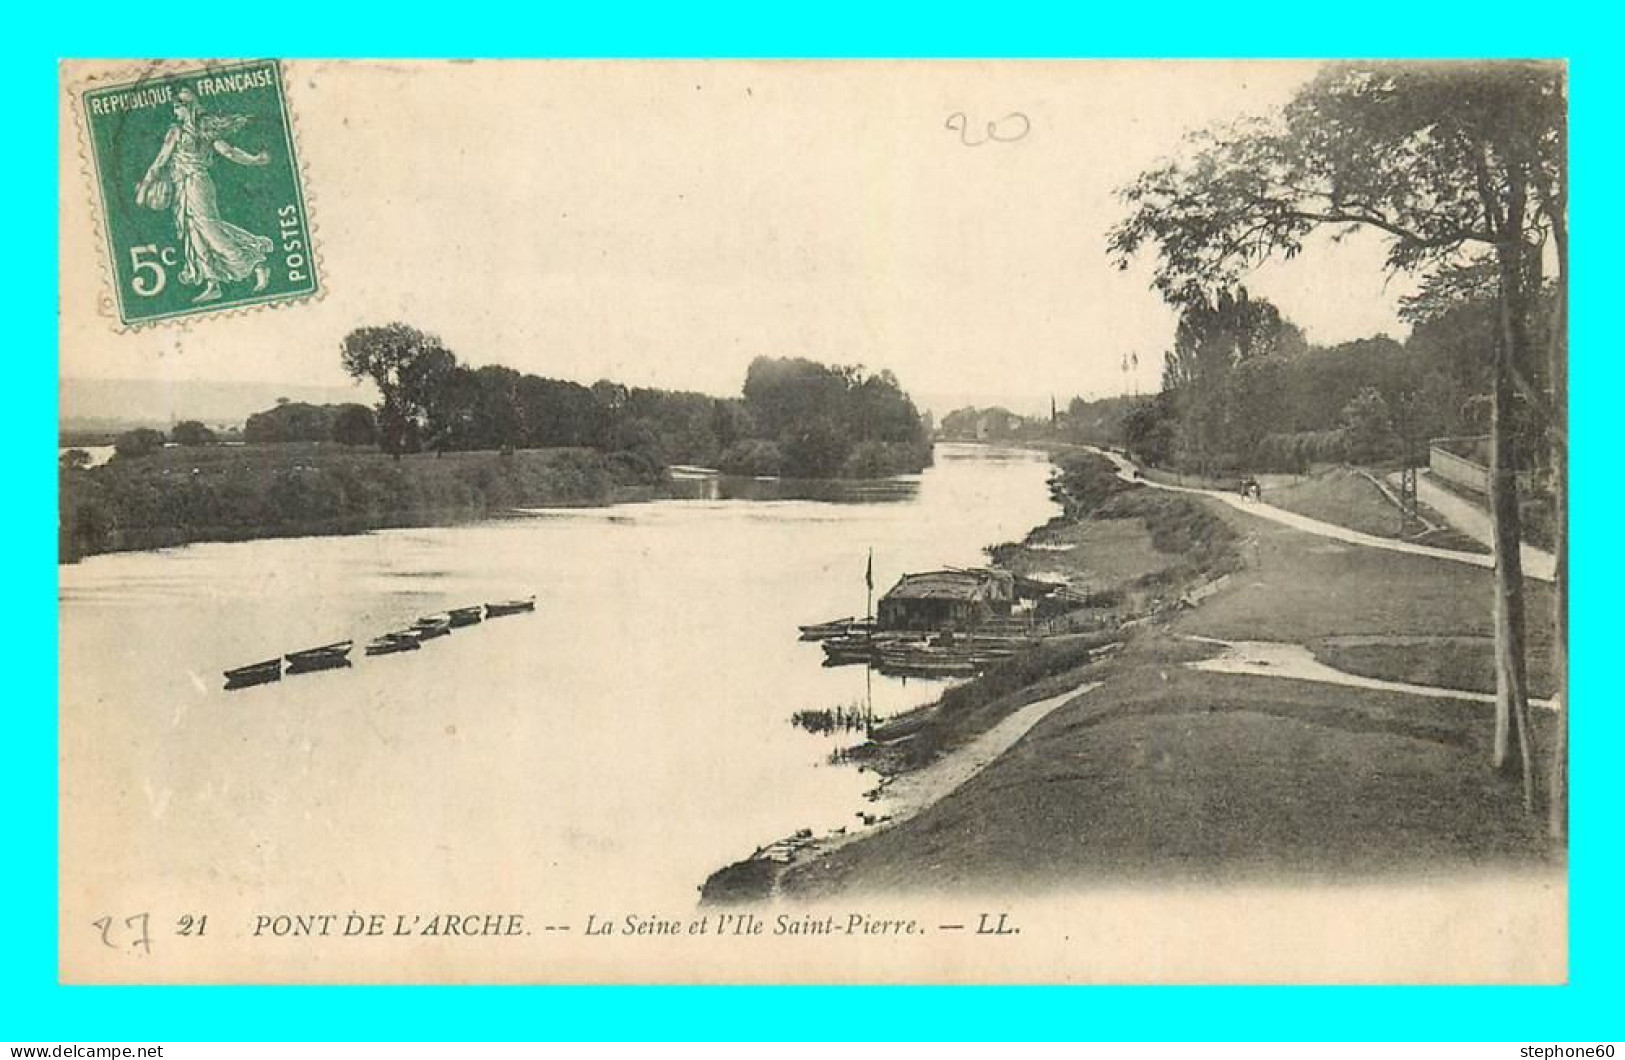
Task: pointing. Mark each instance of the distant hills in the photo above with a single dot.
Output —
(120, 404)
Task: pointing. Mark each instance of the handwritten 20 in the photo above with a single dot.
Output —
(1006, 130)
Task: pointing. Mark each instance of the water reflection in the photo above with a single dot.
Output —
(716, 487)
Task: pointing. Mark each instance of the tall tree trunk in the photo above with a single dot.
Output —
(1511, 674)
(1557, 348)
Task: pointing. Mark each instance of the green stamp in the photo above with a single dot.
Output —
(200, 191)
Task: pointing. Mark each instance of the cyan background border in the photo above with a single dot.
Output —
(33, 1007)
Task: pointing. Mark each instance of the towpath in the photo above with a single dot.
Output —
(1538, 565)
(1474, 521)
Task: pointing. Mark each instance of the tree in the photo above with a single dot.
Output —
(816, 448)
(143, 441)
(448, 398)
(1461, 167)
(1149, 429)
(404, 364)
(1368, 425)
(354, 425)
(495, 420)
(818, 413)
(191, 432)
(1217, 398)
(290, 421)
(73, 460)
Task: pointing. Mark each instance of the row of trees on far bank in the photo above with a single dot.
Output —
(796, 417)
(1463, 169)
(509, 440)
(287, 421)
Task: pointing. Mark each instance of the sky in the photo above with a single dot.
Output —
(662, 224)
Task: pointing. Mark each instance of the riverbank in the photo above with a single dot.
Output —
(1166, 772)
(1126, 553)
(183, 495)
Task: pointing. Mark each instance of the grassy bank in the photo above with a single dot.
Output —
(1122, 545)
(1166, 773)
(230, 493)
(1343, 496)
(919, 737)
(1336, 494)
(1184, 776)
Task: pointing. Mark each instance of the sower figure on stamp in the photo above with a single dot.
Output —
(214, 250)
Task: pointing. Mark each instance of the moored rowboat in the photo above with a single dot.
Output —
(824, 630)
(254, 674)
(389, 643)
(326, 657)
(465, 616)
(430, 626)
(510, 607)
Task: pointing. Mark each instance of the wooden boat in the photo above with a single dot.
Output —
(255, 674)
(326, 657)
(390, 643)
(824, 630)
(510, 607)
(865, 644)
(430, 626)
(849, 647)
(925, 660)
(465, 616)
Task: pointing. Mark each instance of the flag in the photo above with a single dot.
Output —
(869, 571)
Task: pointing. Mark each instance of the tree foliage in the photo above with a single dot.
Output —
(290, 421)
(1225, 371)
(404, 364)
(143, 441)
(1463, 168)
(191, 433)
(354, 425)
(796, 416)
(820, 417)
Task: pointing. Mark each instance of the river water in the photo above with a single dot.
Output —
(616, 746)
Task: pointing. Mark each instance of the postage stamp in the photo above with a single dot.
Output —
(199, 190)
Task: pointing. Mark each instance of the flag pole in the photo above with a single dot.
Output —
(869, 588)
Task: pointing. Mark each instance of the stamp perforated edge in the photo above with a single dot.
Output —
(117, 72)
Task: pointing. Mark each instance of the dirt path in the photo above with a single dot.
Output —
(912, 792)
(1534, 566)
(1474, 521)
(907, 794)
(1268, 658)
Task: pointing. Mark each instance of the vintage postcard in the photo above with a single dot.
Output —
(813, 522)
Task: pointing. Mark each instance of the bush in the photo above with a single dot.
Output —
(143, 441)
(288, 490)
(752, 456)
(637, 467)
(355, 425)
(1179, 526)
(1086, 481)
(191, 432)
(880, 459)
(1297, 452)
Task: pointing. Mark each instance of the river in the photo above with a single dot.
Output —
(616, 746)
